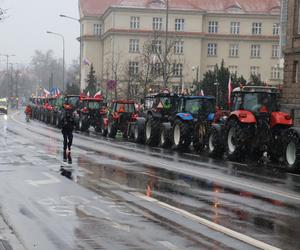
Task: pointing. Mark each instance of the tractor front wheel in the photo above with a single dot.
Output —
(215, 145)
(292, 151)
(236, 140)
(152, 131)
(138, 133)
(165, 141)
(181, 135)
(112, 129)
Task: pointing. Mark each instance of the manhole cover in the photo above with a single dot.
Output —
(4, 245)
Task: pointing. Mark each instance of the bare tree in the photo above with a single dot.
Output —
(2, 14)
(160, 62)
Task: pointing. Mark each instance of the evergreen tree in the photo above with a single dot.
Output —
(218, 79)
(91, 82)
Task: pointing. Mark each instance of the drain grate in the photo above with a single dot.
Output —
(4, 245)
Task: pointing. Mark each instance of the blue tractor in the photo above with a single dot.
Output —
(190, 123)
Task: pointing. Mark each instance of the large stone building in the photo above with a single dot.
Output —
(244, 33)
(291, 90)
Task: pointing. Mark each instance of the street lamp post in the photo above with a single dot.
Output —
(80, 44)
(197, 77)
(7, 74)
(166, 43)
(63, 39)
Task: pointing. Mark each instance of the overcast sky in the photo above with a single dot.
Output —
(25, 29)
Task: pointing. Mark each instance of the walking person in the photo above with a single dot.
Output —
(67, 128)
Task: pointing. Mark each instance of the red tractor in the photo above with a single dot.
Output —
(255, 125)
(121, 113)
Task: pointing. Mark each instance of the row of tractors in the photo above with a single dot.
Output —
(254, 126)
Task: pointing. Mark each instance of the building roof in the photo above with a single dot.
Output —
(98, 7)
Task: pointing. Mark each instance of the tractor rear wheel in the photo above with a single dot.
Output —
(152, 131)
(215, 145)
(181, 135)
(291, 154)
(112, 129)
(236, 140)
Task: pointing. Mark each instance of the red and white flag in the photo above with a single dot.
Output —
(46, 92)
(88, 94)
(201, 92)
(98, 94)
(229, 89)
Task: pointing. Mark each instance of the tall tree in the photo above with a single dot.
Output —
(91, 82)
(2, 14)
(215, 83)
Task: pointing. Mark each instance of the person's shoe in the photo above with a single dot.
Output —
(69, 158)
(65, 156)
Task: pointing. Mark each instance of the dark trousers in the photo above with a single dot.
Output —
(68, 139)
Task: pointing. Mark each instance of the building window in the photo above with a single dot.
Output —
(212, 49)
(156, 69)
(178, 47)
(295, 71)
(134, 22)
(275, 51)
(256, 28)
(134, 45)
(179, 24)
(275, 73)
(235, 28)
(157, 23)
(212, 27)
(156, 46)
(233, 50)
(133, 68)
(255, 50)
(276, 27)
(254, 71)
(177, 69)
(233, 69)
(97, 29)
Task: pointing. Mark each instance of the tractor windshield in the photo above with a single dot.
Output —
(74, 100)
(256, 102)
(125, 107)
(196, 106)
(94, 105)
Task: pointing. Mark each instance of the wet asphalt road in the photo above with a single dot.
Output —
(120, 195)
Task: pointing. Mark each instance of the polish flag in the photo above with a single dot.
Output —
(229, 90)
(46, 92)
(88, 93)
(201, 92)
(98, 94)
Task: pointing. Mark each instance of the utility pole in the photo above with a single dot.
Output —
(166, 44)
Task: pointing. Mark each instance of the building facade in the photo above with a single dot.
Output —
(245, 34)
(291, 90)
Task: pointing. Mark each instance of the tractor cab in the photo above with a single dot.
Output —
(198, 106)
(255, 99)
(72, 100)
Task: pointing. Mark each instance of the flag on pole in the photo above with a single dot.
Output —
(88, 93)
(229, 90)
(98, 94)
(201, 92)
(46, 92)
(86, 61)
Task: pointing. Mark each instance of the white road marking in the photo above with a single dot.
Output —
(168, 245)
(51, 180)
(212, 225)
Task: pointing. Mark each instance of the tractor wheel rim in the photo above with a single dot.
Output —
(231, 135)
(201, 133)
(177, 135)
(148, 130)
(211, 143)
(136, 133)
(162, 137)
(291, 153)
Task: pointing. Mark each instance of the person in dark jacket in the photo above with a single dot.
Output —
(67, 127)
